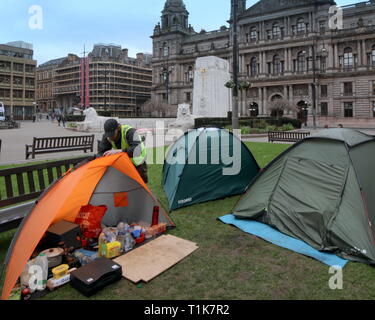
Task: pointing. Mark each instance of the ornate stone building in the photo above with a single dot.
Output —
(286, 48)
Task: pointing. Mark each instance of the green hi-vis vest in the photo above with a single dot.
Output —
(124, 145)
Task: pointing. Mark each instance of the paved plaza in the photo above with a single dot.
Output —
(14, 141)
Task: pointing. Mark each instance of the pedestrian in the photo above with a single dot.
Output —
(63, 120)
(59, 120)
(119, 138)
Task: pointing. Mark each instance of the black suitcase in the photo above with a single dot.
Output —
(95, 275)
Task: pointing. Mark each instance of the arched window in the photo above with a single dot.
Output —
(190, 74)
(373, 56)
(276, 30)
(348, 58)
(276, 64)
(254, 109)
(253, 34)
(301, 27)
(165, 49)
(301, 62)
(253, 67)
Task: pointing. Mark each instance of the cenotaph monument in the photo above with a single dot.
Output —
(210, 96)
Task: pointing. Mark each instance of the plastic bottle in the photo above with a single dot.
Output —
(102, 242)
(121, 233)
(42, 262)
(129, 241)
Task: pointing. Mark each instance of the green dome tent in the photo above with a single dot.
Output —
(206, 164)
(321, 191)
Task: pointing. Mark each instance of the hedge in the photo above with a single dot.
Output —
(247, 121)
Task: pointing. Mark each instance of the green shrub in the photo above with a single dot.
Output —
(271, 128)
(287, 127)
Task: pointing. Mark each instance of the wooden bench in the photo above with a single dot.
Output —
(21, 184)
(60, 144)
(287, 136)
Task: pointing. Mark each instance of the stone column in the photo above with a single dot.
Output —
(291, 96)
(260, 100)
(264, 63)
(359, 53)
(264, 95)
(335, 56)
(330, 57)
(364, 52)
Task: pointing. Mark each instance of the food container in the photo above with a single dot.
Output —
(54, 256)
(60, 271)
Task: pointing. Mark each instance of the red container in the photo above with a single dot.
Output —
(155, 216)
(140, 239)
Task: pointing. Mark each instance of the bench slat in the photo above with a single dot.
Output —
(41, 179)
(9, 186)
(21, 186)
(30, 176)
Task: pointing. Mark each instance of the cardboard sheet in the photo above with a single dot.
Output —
(153, 258)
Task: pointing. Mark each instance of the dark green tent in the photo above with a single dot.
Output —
(321, 191)
(206, 164)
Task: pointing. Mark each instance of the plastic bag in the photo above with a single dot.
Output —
(89, 218)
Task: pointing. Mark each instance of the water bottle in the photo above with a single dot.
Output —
(129, 241)
(121, 233)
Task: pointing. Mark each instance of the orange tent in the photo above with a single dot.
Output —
(99, 182)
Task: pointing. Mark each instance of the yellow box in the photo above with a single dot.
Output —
(113, 249)
(60, 271)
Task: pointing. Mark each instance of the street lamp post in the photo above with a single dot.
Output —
(166, 72)
(235, 122)
(313, 85)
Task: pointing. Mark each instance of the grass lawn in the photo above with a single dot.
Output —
(229, 263)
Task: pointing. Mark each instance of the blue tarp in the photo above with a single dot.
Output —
(276, 237)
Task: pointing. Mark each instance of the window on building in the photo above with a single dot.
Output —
(324, 109)
(191, 74)
(164, 97)
(29, 94)
(323, 91)
(253, 67)
(165, 49)
(348, 109)
(18, 81)
(188, 96)
(276, 63)
(17, 94)
(253, 35)
(348, 88)
(322, 26)
(373, 109)
(301, 26)
(18, 67)
(348, 58)
(4, 93)
(301, 62)
(373, 56)
(269, 34)
(323, 64)
(276, 31)
(29, 68)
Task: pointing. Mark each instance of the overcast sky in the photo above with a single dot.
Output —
(69, 25)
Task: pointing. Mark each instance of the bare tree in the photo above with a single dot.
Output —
(158, 109)
(279, 106)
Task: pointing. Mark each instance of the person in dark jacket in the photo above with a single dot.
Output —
(123, 138)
